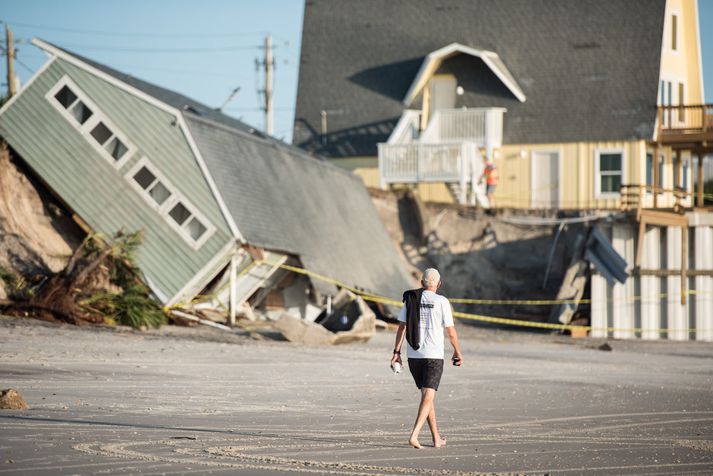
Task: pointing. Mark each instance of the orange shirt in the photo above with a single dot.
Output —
(491, 174)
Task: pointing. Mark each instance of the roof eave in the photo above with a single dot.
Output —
(57, 52)
(433, 60)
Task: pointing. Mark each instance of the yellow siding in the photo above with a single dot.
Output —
(577, 172)
(434, 192)
(682, 65)
(577, 159)
(367, 168)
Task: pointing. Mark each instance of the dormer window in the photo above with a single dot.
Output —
(89, 120)
(165, 198)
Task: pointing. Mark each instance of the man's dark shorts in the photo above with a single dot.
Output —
(426, 372)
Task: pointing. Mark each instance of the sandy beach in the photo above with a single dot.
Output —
(183, 401)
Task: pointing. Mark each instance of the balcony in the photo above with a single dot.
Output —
(447, 151)
(685, 125)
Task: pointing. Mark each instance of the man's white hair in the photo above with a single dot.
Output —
(431, 277)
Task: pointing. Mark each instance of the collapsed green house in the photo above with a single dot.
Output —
(223, 208)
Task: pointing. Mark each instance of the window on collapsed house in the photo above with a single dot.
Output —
(148, 181)
(89, 120)
(196, 228)
(187, 220)
(611, 171)
(177, 211)
(71, 103)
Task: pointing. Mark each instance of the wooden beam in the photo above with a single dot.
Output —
(425, 107)
(657, 217)
(699, 190)
(662, 273)
(684, 263)
(640, 243)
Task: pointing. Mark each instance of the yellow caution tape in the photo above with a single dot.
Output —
(491, 319)
(327, 279)
(214, 295)
(538, 325)
(550, 302)
(463, 315)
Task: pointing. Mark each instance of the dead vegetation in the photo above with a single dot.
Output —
(50, 269)
(99, 284)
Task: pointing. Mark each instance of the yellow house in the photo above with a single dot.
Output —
(577, 103)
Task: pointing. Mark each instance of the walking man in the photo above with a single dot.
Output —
(422, 320)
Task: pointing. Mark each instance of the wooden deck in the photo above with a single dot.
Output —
(689, 125)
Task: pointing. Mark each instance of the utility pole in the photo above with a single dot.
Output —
(269, 65)
(10, 53)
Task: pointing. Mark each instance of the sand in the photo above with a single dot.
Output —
(183, 401)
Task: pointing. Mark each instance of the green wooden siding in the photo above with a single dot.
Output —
(97, 191)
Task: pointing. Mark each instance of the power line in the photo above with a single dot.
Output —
(249, 109)
(164, 50)
(133, 34)
(32, 71)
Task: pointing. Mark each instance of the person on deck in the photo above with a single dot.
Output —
(490, 174)
(422, 320)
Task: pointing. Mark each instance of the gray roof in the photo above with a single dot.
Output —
(284, 200)
(589, 68)
(172, 98)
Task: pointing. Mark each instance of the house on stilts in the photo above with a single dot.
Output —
(591, 108)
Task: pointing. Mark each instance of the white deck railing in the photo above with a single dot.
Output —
(407, 129)
(483, 126)
(458, 162)
(447, 151)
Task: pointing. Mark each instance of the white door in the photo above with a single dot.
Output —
(443, 93)
(545, 180)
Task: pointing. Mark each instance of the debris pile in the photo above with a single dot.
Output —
(10, 399)
(480, 256)
(99, 284)
(350, 320)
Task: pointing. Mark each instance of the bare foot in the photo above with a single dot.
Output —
(439, 442)
(413, 441)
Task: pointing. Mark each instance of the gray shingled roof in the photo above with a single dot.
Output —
(172, 98)
(285, 200)
(589, 68)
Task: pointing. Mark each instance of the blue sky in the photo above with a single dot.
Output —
(202, 49)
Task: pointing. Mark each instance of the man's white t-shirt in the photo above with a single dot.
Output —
(436, 315)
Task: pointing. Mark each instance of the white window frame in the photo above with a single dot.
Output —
(96, 117)
(598, 194)
(170, 202)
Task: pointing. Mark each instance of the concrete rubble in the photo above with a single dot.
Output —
(350, 321)
(10, 399)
